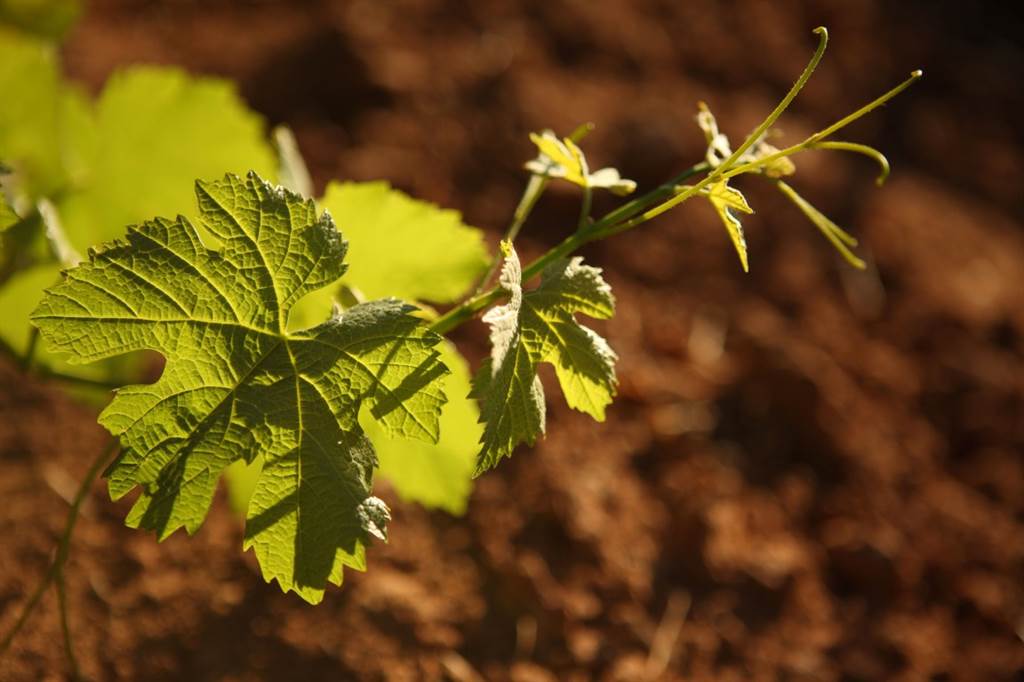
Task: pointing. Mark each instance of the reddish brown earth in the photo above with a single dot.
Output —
(811, 473)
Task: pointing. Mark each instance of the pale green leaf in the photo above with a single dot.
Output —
(719, 148)
(776, 168)
(407, 248)
(416, 251)
(506, 385)
(79, 137)
(154, 131)
(238, 385)
(22, 291)
(540, 326)
(564, 159)
(240, 479)
(131, 156)
(726, 200)
(31, 116)
(436, 474)
(558, 158)
(19, 295)
(610, 179)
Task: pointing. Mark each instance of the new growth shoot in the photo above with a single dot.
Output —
(754, 156)
(252, 376)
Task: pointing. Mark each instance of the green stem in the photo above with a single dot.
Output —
(816, 140)
(55, 571)
(531, 194)
(867, 108)
(659, 193)
(588, 198)
(839, 238)
(25, 359)
(466, 310)
(646, 207)
(761, 129)
(534, 188)
(65, 626)
(857, 148)
(562, 250)
(822, 34)
(47, 373)
(30, 352)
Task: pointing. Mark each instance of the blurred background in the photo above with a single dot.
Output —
(811, 473)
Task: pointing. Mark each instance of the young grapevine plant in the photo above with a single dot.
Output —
(238, 384)
(276, 359)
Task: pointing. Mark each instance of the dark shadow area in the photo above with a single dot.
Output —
(319, 78)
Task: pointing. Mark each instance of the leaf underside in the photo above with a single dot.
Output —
(128, 155)
(407, 248)
(413, 250)
(237, 384)
(539, 326)
(727, 201)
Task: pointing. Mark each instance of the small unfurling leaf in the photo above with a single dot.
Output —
(725, 200)
(540, 326)
(564, 159)
(719, 148)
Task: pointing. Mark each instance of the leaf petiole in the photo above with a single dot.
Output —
(759, 131)
(840, 238)
(659, 193)
(535, 187)
(867, 108)
(588, 196)
(670, 195)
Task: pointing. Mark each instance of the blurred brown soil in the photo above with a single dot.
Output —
(811, 473)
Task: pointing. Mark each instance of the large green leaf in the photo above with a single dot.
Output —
(407, 248)
(238, 384)
(436, 474)
(131, 156)
(417, 251)
(18, 296)
(156, 129)
(539, 326)
(33, 133)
